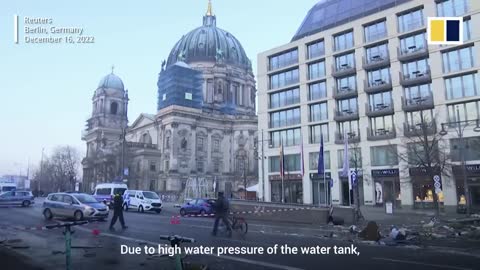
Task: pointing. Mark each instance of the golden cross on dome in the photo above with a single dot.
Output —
(113, 67)
(209, 10)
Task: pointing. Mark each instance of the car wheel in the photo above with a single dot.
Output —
(182, 212)
(26, 203)
(78, 215)
(140, 209)
(202, 212)
(158, 211)
(47, 214)
(125, 207)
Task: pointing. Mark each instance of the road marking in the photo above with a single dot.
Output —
(243, 260)
(424, 264)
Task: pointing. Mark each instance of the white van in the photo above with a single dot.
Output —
(142, 201)
(105, 192)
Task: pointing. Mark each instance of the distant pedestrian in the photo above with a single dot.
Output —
(117, 212)
(222, 208)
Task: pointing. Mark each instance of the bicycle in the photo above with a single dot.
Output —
(175, 241)
(238, 224)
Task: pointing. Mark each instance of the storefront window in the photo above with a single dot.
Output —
(293, 191)
(318, 188)
(423, 192)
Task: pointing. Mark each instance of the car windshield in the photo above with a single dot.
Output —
(150, 195)
(85, 198)
(119, 191)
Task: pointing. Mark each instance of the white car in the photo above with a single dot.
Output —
(142, 201)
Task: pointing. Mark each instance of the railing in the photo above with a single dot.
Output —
(380, 134)
(417, 103)
(352, 137)
(345, 115)
(344, 92)
(377, 85)
(376, 61)
(419, 129)
(379, 109)
(343, 70)
(412, 52)
(142, 145)
(416, 77)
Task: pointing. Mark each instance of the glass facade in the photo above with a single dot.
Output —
(316, 49)
(343, 41)
(284, 98)
(317, 90)
(458, 59)
(293, 191)
(313, 157)
(283, 60)
(470, 151)
(317, 131)
(462, 86)
(316, 70)
(318, 112)
(285, 118)
(411, 21)
(377, 53)
(284, 79)
(345, 61)
(384, 155)
(375, 31)
(378, 77)
(289, 137)
(413, 43)
(466, 111)
(452, 8)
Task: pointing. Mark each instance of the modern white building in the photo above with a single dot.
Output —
(364, 68)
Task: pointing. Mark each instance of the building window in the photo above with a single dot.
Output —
(318, 112)
(200, 145)
(293, 191)
(470, 151)
(316, 70)
(216, 145)
(462, 86)
(167, 142)
(382, 124)
(378, 77)
(375, 31)
(377, 53)
(345, 61)
(317, 131)
(282, 60)
(292, 163)
(417, 155)
(289, 137)
(216, 166)
(467, 33)
(410, 21)
(153, 166)
(384, 155)
(284, 79)
(274, 164)
(164, 96)
(284, 98)
(241, 165)
(138, 166)
(317, 90)
(113, 107)
(380, 101)
(355, 155)
(413, 43)
(415, 68)
(285, 118)
(188, 96)
(314, 160)
(452, 8)
(167, 165)
(458, 59)
(347, 106)
(418, 92)
(466, 111)
(316, 49)
(199, 166)
(343, 41)
(414, 119)
(347, 83)
(349, 128)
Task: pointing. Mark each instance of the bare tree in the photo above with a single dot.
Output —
(355, 156)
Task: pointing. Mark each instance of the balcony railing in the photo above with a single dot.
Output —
(376, 61)
(380, 134)
(142, 145)
(343, 70)
(419, 130)
(346, 115)
(412, 52)
(344, 92)
(416, 77)
(379, 109)
(417, 103)
(353, 137)
(378, 85)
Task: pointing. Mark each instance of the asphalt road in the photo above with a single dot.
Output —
(145, 229)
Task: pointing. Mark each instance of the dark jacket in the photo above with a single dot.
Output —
(222, 206)
(117, 203)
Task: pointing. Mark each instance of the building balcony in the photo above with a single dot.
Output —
(344, 92)
(415, 78)
(377, 86)
(353, 137)
(381, 134)
(379, 109)
(376, 61)
(419, 130)
(142, 145)
(343, 70)
(412, 53)
(417, 103)
(346, 115)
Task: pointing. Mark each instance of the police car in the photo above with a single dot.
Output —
(142, 201)
(78, 206)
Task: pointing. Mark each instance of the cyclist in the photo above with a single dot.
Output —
(222, 208)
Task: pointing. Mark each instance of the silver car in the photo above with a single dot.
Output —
(78, 206)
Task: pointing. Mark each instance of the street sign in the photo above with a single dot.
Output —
(125, 171)
(437, 185)
(436, 178)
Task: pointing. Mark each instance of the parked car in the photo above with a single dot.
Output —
(78, 206)
(198, 206)
(17, 197)
(142, 201)
(105, 192)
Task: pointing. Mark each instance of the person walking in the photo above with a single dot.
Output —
(222, 208)
(117, 212)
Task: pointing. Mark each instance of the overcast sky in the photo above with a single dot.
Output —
(46, 90)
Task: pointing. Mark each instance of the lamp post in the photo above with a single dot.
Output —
(460, 126)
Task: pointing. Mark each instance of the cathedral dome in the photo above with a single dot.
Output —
(111, 81)
(211, 44)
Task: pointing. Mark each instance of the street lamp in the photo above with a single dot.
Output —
(460, 126)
